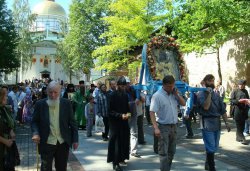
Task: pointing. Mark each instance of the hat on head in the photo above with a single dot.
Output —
(242, 82)
(121, 81)
(81, 82)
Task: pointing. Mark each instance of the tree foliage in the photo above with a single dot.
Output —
(208, 24)
(23, 20)
(129, 25)
(8, 40)
(83, 38)
(202, 24)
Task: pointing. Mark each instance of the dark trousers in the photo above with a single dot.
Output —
(147, 113)
(59, 152)
(188, 124)
(140, 129)
(240, 125)
(19, 116)
(155, 146)
(106, 129)
(167, 145)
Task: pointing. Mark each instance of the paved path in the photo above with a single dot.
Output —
(91, 154)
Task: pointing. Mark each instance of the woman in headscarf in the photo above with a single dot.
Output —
(27, 107)
(7, 135)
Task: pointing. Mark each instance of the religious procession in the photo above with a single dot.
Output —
(124, 85)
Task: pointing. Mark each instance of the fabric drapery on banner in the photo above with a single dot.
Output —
(12, 158)
(99, 125)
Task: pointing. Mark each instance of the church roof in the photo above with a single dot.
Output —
(49, 7)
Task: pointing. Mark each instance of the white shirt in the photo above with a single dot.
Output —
(139, 107)
(165, 107)
(20, 96)
(14, 99)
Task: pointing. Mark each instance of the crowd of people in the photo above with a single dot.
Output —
(56, 111)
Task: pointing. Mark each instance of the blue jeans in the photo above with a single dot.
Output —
(90, 122)
(211, 140)
(247, 124)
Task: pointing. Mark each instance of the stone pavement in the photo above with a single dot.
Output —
(91, 154)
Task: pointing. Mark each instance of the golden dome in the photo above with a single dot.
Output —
(49, 7)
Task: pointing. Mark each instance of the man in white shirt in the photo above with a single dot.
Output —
(164, 117)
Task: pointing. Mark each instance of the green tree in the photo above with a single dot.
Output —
(83, 38)
(208, 24)
(8, 40)
(23, 20)
(130, 25)
(62, 52)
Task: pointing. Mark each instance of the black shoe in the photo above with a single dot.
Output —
(105, 139)
(136, 155)
(244, 142)
(117, 167)
(189, 136)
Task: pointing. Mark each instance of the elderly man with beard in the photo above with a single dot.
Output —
(211, 109)
(54, 129)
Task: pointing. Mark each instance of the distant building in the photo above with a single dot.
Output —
(47, 30)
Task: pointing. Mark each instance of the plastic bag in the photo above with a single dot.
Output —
(99, 125)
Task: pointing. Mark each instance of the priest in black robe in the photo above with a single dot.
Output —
(119, 139)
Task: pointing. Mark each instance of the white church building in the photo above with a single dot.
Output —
(47, 30)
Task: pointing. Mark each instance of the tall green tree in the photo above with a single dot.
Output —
(86, 26)
(23, 20)
(130, 25)
(208, 24)
(8, 40)
(63, 51)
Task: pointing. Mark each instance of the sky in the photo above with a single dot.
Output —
(64, 3)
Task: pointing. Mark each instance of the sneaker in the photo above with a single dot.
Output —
(245, 134)
(136, 155)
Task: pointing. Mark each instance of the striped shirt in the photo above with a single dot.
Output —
(102, 103)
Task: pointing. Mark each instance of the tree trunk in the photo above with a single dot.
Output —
(16, 75)
(218, 63)
(70, 76)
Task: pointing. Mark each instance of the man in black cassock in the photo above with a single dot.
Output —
(118, 148)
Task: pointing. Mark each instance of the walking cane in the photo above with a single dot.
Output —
(228, 128)
(37, 157)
